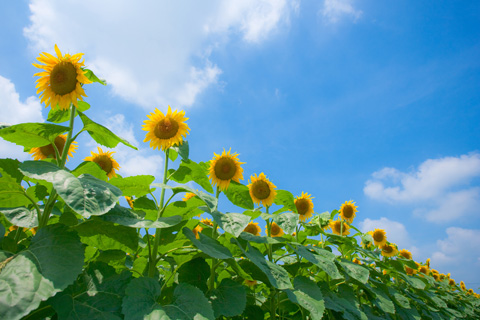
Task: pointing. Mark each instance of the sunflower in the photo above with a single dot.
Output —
(304, 206)
(48, 151)
(61, 82)
(165, 130)
(355, 260)
(406, 254)
(462, 286)
(410, 271)
(197, 230)
(207, 222)
(253, 228)
(389, 250)
(262, 190)
(224, 168)
(105, 161)
(188, 195)
(470, 291)
(275, 230)
(347, 211)
(129, 201)
(336, 226)
(424, 270)
(379, 237)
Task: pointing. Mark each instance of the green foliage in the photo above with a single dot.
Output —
(30, 135)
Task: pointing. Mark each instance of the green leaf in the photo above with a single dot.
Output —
(30, 135)
(98, 295)
(189, 303)
(253, 271)
(209, 200)
(192, 171)
(277, 276)
(285, 198)
(208, 245)
(11, 193)
(37, 192)
(101, 134)
(229, 299)
(21, 217)
(58, 115)
(86, 194)
(91, 168)
(92, 77)
(195, 272)
(253, 214)
(182, 150)
(413, 281)
(321, 258)
(140, 301)
(51, 263)
(400, 299)
(343, 301)
(355, 271)
(126, 217)
(107, 236)
(261, 239)
(137, 186)
(172, 154)
(186, 209)
(10, 167)
(233, 223)
(307, 295)
(287, 221)
(239, 195)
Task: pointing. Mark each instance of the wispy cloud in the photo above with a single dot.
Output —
(334, 10)
(156, 53)
(440, 189)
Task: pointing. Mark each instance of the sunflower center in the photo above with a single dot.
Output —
(302, 206)
(275, 229)
(225, 168)
(166, 128)
(378, 236)
(104, 162)
(338, 227)
(347, 211)
(63, 78)
(261, 190)
(251, 229)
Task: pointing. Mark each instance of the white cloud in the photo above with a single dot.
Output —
(440, 188)
(14, 111)
(152, 53)
(396, 231)
(334, 10)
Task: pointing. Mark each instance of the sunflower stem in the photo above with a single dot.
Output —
(269, 233)
(68, 142)
(158, 232)
(211, 280)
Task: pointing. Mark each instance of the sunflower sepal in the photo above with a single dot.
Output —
(92, 77)
(101, 134)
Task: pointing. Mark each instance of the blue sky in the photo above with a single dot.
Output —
(378, 102)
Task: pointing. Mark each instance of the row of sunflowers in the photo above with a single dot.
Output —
(70, 250)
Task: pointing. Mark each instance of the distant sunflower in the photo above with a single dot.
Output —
(129, 201)
(424, 270)
(389, 250)
(253, 228)
(470, 291)
(275, 230)
(355, 260)
(105, 161)
(406, 254)
(379, 237)
(428, 262)
(224, 168)
(165, 130)
(304, 206)
(347, 211)
(410, 271)
(188, 195)
(49, 152)
(336, 226)
(262, 190)
(197, 230)
(462, 286)
(207, 221)
(61, 82)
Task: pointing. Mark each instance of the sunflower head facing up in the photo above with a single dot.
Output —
(165, 130)
(379, 237)
(105, 161)
(225, 168)
(304, 206)
(336, 226)
(406, 254)
(275, 230)
(262, 190)
(61, 81)
(347, 211)
(389, 250)
(48, 151)
(253, 228)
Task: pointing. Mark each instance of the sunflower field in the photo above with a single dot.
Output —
(70, 250)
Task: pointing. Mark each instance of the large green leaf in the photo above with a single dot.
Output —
(101, 134)
(189, 303)
(21, 217)
(137, 186)
(321, 258)
(30, 135)
(342, 301)
(182, 150)
(107, 236)
(261, 239)
(49, 265)
(208, 245)
(91, 168)
(58, 115)
(287, 221)
(186, 209)
(10, 167)
(277, 276)
(239, 195)
(86, 194)
(126, 217)
(229, 299)
(233, 223)
(308, 295)
(191, 171)
(355, 271)
(209, 200)
(11, 193)
(285, 199)
(98, 295)
(195, 272)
